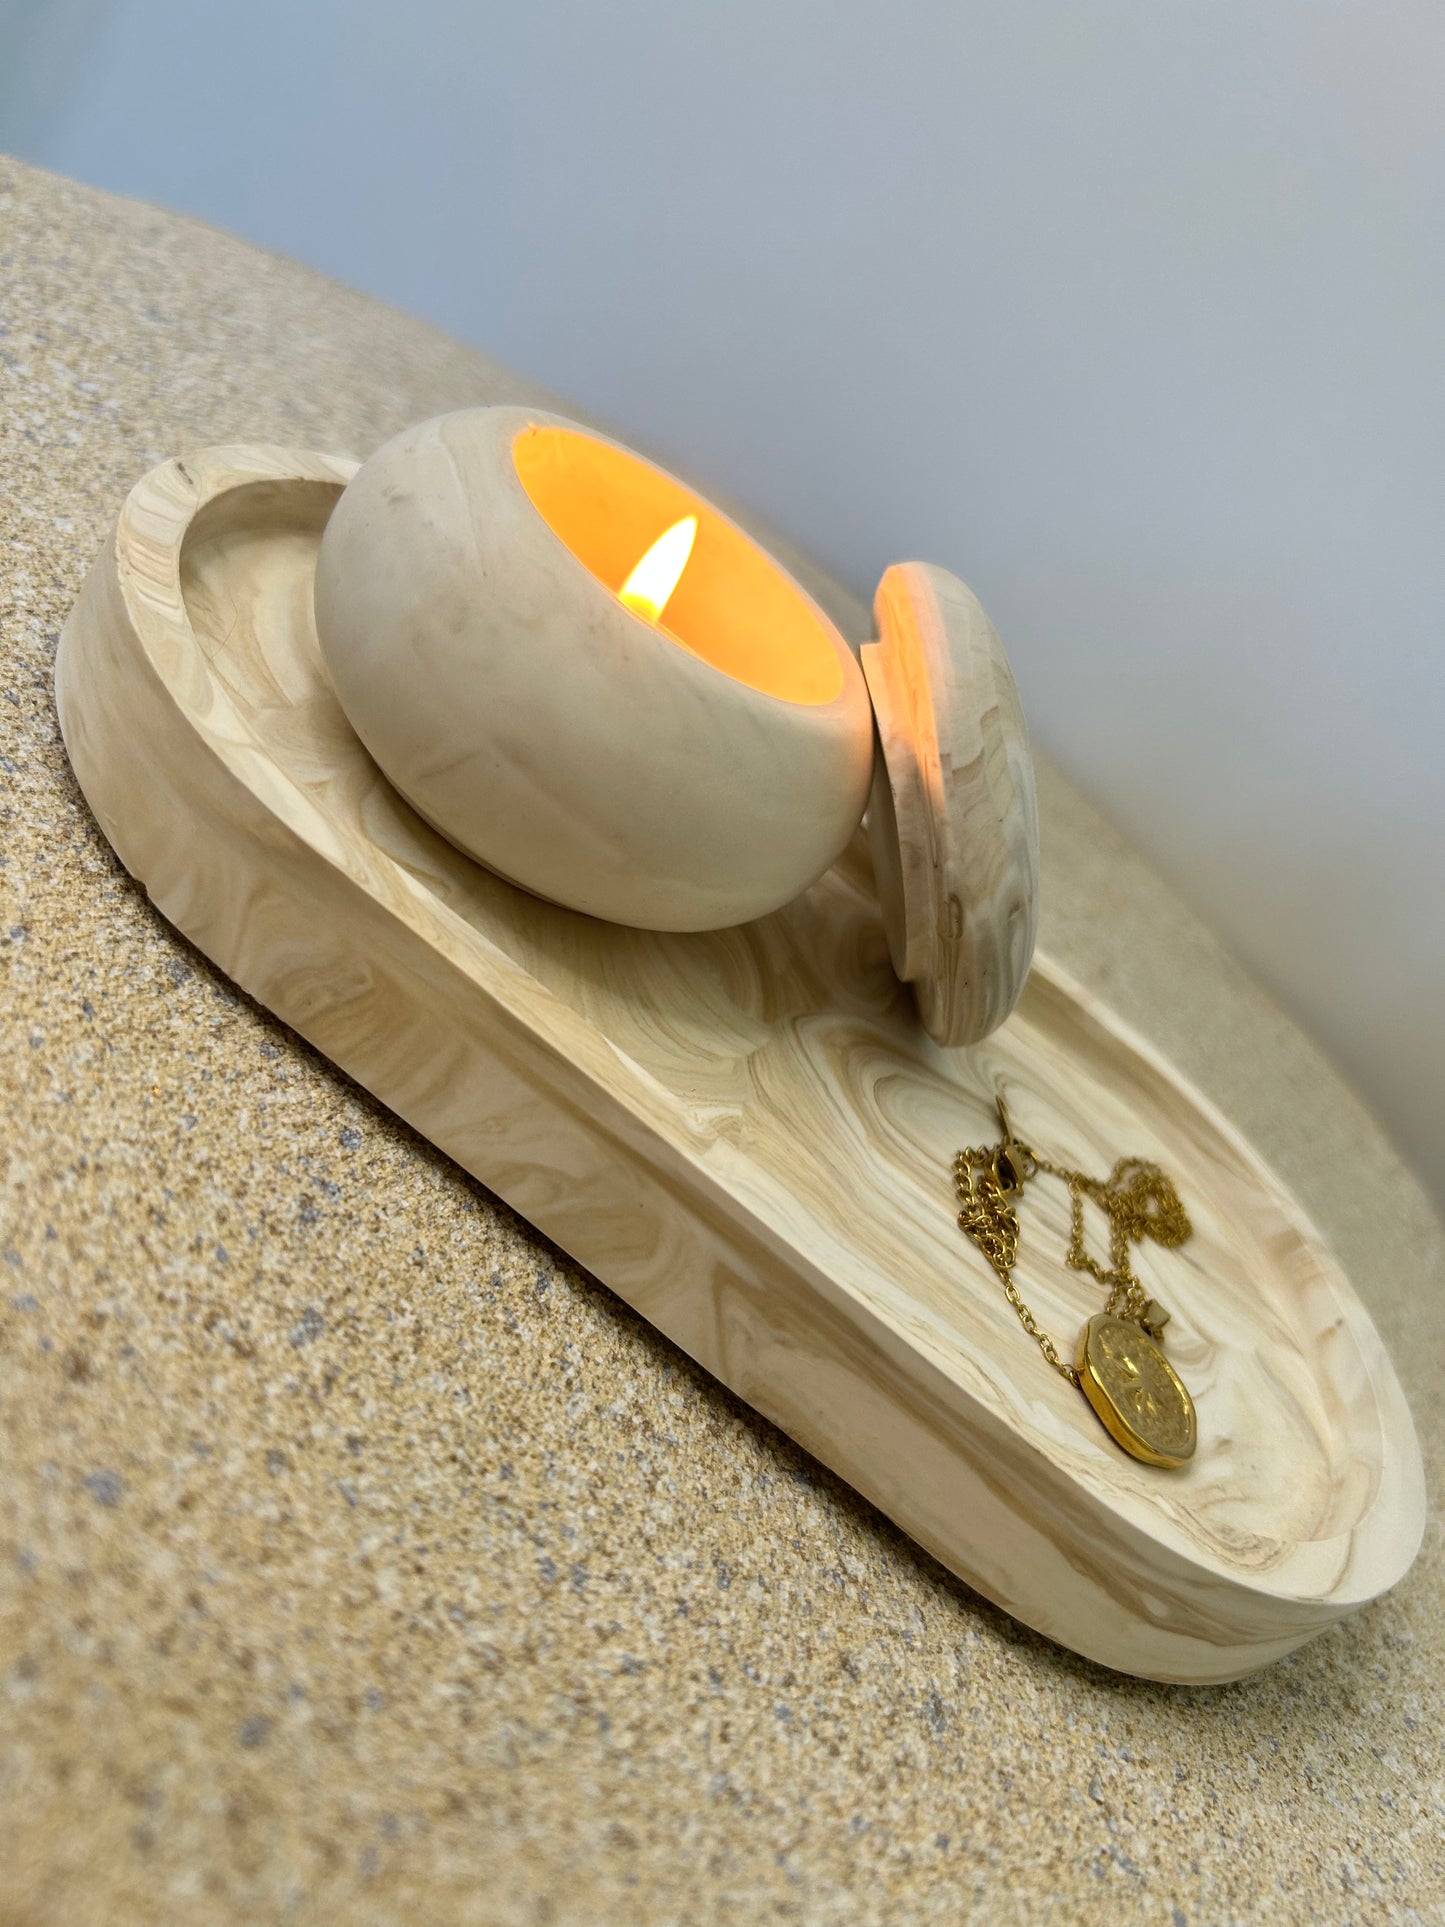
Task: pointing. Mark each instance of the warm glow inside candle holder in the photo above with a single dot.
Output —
(731, 604)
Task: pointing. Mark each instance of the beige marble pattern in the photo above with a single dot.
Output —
(745, 1132)
(361, 1558)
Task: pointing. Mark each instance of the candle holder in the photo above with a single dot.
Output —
(746, 1131)
(678, 764)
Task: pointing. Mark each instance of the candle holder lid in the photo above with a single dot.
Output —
(952, 817)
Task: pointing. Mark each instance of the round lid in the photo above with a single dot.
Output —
(952, 820)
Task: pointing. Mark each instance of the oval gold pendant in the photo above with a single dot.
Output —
(1140, 1399)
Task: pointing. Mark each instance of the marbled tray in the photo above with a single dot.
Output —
(746, 1133)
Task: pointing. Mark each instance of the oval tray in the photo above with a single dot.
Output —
(746, 1133)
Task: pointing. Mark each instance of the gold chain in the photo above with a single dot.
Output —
(1138, 1199)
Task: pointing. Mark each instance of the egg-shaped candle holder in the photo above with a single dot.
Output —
(678, 755)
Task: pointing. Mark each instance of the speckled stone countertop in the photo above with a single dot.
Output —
(363, 1560)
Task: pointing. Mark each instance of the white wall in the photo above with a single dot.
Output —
(1130, 313)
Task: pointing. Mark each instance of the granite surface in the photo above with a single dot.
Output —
(361, 1559)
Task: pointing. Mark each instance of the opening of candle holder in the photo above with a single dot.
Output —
(732, 605)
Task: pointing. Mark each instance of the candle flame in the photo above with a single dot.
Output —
(647, 589)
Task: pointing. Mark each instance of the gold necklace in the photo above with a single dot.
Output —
(1119, 1362)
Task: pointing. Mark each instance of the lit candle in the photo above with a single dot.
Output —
(649, 588)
